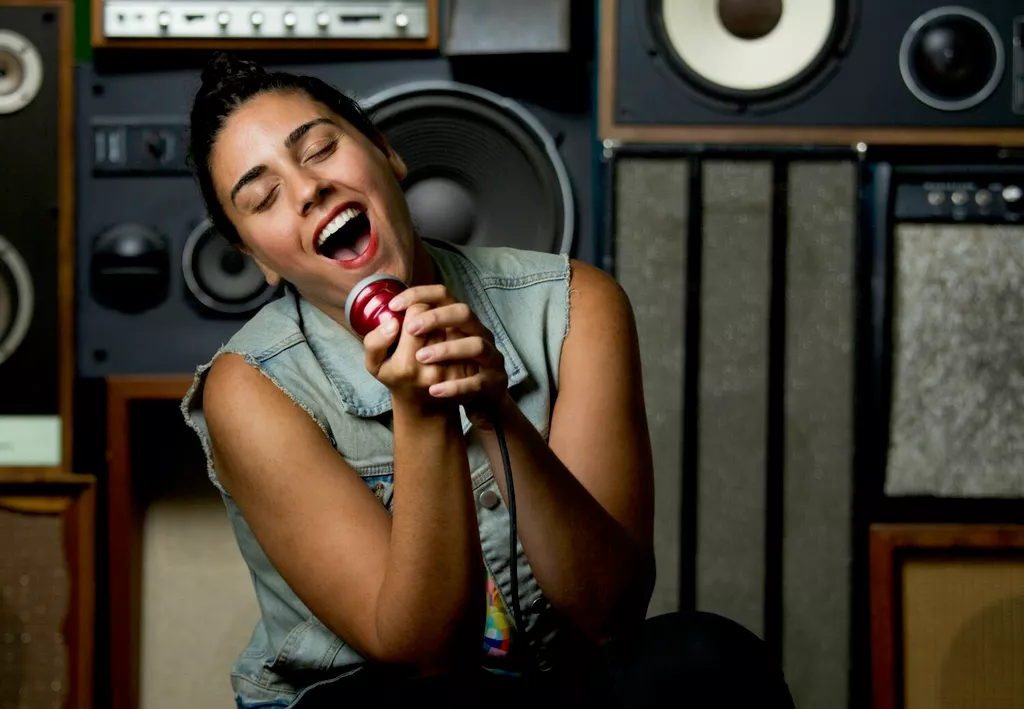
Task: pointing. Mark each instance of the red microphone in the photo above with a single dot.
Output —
(366, 307)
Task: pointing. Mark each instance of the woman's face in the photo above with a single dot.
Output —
(314, 200)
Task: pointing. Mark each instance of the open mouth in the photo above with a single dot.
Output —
(347, 236)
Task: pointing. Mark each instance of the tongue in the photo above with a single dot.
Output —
(347, 253)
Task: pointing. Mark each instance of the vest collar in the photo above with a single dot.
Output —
(340, 353)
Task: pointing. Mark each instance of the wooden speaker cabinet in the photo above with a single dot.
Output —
(47, 592)
(181, 603)
(947, 616)
(36, 237)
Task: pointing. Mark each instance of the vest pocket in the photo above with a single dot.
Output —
(381, 481)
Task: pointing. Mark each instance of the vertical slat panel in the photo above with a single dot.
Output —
(651, 245)
(733, 390)
(818, 450)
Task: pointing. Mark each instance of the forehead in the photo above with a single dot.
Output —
(257, 130)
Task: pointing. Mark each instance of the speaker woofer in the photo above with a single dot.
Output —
(741, 53)
(17, 300)
(21, 72)
(951, 58)
(220, 276)
(482, 170)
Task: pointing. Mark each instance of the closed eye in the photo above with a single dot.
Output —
(265, 203)
(324, 152)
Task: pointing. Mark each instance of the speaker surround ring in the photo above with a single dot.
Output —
(22, 75)
(753, 99)
(203, 292)
(911, 80)
(15, 274)
(507, 114)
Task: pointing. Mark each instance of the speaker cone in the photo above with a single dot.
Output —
(747, 51)
(482, 170)
(16, 300)
(951, 58)
(21, 72)
(220, 276)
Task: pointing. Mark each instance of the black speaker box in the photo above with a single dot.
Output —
(825, 71)
(143, 309)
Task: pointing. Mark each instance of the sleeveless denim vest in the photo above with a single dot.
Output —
(523, 299)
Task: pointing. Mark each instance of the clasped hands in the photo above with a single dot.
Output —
(445, 355)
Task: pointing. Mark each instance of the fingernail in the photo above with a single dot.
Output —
(437, 389)
(392, 327)
(414, 326)
(424, 354)
(396, 303)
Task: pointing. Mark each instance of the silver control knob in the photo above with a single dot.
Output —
(164, 19)
(323, 20)
(983, 198)
(1012, 193)
(289, 20)
(223, 18)
(959, 198)
(256, 18)
(936, 198)
(401, 20)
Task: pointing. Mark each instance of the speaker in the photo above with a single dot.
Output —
(944, 269)
(812, 72)
(740, 268)
(47, 592)
(36, 239)
(947, 615)
(494, 160)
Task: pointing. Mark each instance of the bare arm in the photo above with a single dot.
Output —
(584, 498)
(404, 589)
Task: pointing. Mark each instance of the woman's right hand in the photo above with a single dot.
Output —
(408, 379)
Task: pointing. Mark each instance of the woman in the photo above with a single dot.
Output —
(366, 488)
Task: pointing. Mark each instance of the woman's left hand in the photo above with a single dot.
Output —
(476, 367)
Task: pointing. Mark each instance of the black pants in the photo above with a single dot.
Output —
(692, 660)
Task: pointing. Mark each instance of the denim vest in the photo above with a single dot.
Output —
(523, 299)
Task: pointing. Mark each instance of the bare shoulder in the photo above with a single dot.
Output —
(249, 417)
(598, 305)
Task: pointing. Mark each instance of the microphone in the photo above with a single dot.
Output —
(366, 307)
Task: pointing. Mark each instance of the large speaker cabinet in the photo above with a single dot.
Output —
(740, 265)
(36, 236)
(813, 72)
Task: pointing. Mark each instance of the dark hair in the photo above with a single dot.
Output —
(229, 82)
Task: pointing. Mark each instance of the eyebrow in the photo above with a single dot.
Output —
(255, 172)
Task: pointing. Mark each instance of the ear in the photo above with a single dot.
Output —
(273, 278)
(398, 165)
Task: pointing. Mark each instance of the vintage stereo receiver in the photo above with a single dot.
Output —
(393, 24)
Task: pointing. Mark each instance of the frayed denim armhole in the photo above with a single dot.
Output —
(566, 308)
(196, 420)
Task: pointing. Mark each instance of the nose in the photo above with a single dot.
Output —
(310, 191)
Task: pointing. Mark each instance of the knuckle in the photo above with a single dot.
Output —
(462, 311)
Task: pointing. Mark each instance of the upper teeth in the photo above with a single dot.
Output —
(337, 223)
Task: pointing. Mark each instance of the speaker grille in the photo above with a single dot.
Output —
(741, 277)
(651, 251)
(34, 598)
(957, 425)
(482, 170)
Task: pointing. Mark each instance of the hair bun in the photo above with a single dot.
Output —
(226, 68)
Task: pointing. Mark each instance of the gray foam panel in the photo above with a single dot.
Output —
(733, 390)
(957, 417)
(818, 443)
(651, 267)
